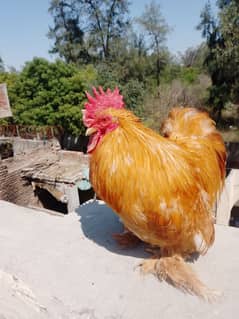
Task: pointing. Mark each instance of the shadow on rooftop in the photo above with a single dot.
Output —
(98, 223)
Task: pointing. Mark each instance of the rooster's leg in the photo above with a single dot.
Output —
(153, 250)
(126, 239)
(178, 273)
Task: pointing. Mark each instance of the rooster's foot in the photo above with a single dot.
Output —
(178, 273)
(149, 266)
(126, 239)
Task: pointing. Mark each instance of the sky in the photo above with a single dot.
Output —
(24, 25)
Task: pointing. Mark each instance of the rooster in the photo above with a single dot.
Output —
(164, 188)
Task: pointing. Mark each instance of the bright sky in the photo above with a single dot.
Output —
(24, 26)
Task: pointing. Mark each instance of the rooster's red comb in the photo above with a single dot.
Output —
(103, 100)
(99, 101)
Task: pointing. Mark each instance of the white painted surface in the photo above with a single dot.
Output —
(228, 198)
(72, 269)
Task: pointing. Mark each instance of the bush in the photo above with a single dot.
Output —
(132, 90)
(51, 94)
(178, 93)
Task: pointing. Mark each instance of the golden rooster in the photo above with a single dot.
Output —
(164, 188)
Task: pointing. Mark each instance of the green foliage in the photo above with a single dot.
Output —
(134, 92)
(108, 75)
(170, 72)
(111, 76)
(222, 59)
(87, 75)
(131, 60)
(100, 47)
(188, 75)
(50, 94)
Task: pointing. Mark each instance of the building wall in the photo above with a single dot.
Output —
(3, 175)
(26, 146)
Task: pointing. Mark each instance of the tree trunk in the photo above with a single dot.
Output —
(158, 71)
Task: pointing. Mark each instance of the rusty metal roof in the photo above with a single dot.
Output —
(49, 166)
(62, 167)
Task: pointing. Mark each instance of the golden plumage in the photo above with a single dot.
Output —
(164, 188)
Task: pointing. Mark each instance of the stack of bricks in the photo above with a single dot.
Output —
(3, 176)
(15, 189)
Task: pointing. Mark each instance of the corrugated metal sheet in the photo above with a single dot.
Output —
(5, 110)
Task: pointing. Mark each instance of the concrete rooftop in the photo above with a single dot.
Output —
(69, 267)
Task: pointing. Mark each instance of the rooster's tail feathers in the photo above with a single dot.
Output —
(191, 123)
(188, 122)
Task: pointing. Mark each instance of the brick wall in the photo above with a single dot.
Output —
(15, 189)
(3, 175)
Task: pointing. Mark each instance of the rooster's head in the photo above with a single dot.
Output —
(97, 116)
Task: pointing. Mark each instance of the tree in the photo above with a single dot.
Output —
(194, 56)
(1, 65)
(222, 38)
(222, 3)
(133, 90)
(103, 21)
(50, 94)
(107, 22)
(67, 34)
(229, 51)
(157, 29)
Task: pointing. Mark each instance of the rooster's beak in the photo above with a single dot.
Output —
(90, 131)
